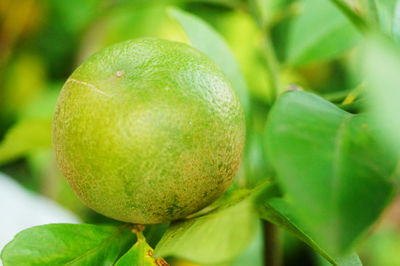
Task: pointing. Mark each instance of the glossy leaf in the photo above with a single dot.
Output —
(254, 254)
(281, 213)
(380, 67)
(72, 244)
(396, 23)
(17, 203)
(385, 13)
(154, 233)
(207, 40)
(349, 260)
(383, 245)
(140, 254)
(265, 10)
(328, 162)
(24, 137)
(216, 237)
(320, 32)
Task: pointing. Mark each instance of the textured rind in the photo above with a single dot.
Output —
(148, 131)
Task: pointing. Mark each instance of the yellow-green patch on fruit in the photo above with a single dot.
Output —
(148, 130)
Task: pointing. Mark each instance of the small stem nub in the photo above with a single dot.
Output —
(138, 230)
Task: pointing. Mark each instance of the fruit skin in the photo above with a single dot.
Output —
(148, 131)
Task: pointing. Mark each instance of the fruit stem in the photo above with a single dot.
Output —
(272, 245)
(138, 230)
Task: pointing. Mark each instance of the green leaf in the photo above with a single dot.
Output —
(75, 15)
(72, 244)
(281, 213)
(254, 254)
(350, 260)
(217, 237)
(369, 10)
(43, 105)
(396, 23)
(141, 254)
(265, 11)
(24, 137)
(385, 12)
(153, 233)
(332, 167)
(380, 65)
(383, 245)
(207, 40)
(320, 32)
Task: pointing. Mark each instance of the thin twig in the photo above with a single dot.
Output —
(273, 68)
(272, 245)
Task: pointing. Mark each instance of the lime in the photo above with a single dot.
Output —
(148, 131)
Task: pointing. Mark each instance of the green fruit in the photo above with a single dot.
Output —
(148, 131)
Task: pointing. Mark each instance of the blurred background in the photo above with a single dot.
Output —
(43, 41)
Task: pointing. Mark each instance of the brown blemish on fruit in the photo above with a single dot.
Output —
(91, 86)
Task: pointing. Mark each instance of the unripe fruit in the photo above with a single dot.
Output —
(148, 131)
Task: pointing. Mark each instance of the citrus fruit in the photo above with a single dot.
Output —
(148, 130)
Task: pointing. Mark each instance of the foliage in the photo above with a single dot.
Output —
(216, 237)
(342, 152)
(81, 244)
(326, 40)
(27, 135)
(322, 151)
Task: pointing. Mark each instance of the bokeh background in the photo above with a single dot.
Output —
(43, 41)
